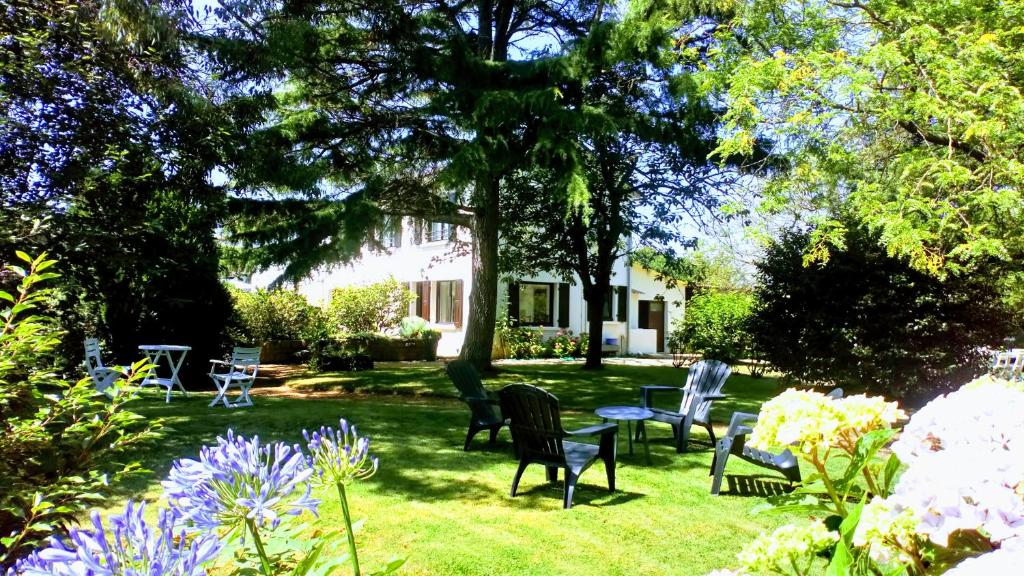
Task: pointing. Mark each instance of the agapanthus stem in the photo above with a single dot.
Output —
(348, 529)
(264, 561)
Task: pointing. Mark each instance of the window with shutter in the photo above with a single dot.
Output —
(446, 292)
(623, 307)
(424, 300)
(458, 304)
(563, 305)
(535, 304)
(417, 231)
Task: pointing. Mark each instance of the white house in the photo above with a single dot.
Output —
(421, 255)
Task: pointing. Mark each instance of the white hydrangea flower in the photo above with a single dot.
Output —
(983, 416)
(886, 528)
(791, 546)
(965, 457)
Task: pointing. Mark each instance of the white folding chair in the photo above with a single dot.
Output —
(240, 371)
(1009, 364)
(102, 376)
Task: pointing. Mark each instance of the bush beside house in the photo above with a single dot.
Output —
(359, 325)
(716, 326)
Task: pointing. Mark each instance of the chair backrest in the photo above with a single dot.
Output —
(704, 377)
(246, 358)
(1009, 363)
(534, 421)
(93, 356)
(468, 383)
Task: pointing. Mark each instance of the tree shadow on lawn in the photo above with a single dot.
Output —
(577, 389)
(419, 441)
(591, 493)
(418, 433)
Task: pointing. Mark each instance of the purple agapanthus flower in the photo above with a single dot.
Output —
(128, 547)
(340, 455)
(240, 480)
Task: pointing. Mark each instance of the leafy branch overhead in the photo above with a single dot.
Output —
(908, 112)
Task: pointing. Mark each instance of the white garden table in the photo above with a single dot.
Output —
(156, 352)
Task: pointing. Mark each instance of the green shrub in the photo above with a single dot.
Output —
(59, 441)
(715, 326)
(564, 345)
(374, 308)
(413, 327)
(275, 315)
(867, 320)
(522, 342)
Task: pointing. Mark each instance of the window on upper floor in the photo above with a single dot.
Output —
(439, 232)
(391, 232)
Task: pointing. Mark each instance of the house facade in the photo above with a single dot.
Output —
(638, 313)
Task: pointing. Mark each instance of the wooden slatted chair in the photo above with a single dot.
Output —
(704, 382)
(240, 372)
(481, 402)
(734, 443)
(536, 426)
(102, 376)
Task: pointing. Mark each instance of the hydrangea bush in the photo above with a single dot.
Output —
(956, 509)
(238, 493)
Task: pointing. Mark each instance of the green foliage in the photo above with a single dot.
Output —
(523, 342)
(109, 142)
(272, 315)
(866, 320)
(564, 345)
(716, 326)
(527, 342)
(59, 440)
(698, 268)
(413, 327)
(906, 112)
(375, 307)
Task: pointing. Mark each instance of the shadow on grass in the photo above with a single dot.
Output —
(757, 486)
(417, 427)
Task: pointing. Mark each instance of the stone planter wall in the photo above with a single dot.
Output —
(403, 350)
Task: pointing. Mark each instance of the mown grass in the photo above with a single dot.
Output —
(449, 511)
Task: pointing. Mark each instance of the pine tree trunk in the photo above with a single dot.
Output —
(483, 298)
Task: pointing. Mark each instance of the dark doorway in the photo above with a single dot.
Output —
(651, 315)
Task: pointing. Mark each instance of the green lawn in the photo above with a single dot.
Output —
(449, 511)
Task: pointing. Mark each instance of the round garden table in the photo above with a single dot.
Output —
(630, 414)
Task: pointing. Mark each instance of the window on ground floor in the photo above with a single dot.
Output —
(536, 304)
(448, 304)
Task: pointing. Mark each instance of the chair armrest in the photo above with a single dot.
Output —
(221, 362)
(739, 424)
(476, 400)
(595, 430)
(647, 393)
(713, 396)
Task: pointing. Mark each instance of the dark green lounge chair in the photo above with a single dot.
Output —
(482, 415)
(734, 443)
(704, 381)
(536, 426)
